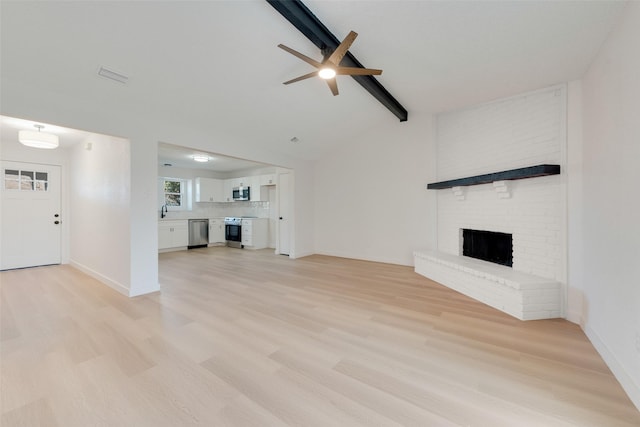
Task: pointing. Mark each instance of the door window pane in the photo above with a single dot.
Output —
(26, 180)
(42, 181)
(11, 179)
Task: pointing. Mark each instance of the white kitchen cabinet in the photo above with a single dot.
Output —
(209, 190)
(216, 230)
(173, 234)
(230, 184)
(259, 192)
(269, 179)
(254, 183)
(237, 182)
(255, 233)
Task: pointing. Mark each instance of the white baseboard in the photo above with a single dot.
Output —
(574, 317)
(148, 290)
(100, 277)
(382, 260)
(296, 255)
(628, 384)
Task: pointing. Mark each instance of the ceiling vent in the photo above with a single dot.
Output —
(112, 75)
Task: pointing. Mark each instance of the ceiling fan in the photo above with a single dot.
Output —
(330, 66)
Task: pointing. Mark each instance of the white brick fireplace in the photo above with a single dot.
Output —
(517, 132)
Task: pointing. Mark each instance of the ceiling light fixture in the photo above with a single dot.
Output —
(200, 158)
(327, 73)
(38, 139)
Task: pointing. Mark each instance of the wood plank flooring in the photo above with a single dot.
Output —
(249, 338)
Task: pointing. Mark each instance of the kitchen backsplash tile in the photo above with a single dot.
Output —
(219, 210)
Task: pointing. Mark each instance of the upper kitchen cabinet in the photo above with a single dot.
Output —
(210, 190)
(226, 186)
(228, 189)
(239, 182)
(254, 183)
(269, 179)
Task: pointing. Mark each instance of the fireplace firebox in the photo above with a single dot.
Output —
(488, 246)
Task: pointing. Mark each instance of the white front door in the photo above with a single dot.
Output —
(284, 212)
(30, 215)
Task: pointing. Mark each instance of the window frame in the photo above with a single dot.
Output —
(183, 194)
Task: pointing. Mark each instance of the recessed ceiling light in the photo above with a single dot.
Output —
(200, 158)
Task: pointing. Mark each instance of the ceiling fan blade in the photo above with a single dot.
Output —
(297, 79)
(342, 48)
(333, 85)
(305, 58)
(356, 71)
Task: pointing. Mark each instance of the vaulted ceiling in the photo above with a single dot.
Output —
(215, 64)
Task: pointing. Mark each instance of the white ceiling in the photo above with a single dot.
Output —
(182, 157)
(215, 64)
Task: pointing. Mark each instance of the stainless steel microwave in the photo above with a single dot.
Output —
(241, 193)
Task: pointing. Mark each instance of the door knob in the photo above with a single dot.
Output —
(280, 217)
(56, 215)
(56, 222)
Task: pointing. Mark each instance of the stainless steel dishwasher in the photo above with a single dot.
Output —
(198, 233)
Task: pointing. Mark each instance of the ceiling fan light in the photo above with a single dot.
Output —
(200, 158)
(327, 73)
(38, 139)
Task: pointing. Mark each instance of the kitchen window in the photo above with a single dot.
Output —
(175, 193)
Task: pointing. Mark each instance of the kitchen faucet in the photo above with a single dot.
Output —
(163, 211)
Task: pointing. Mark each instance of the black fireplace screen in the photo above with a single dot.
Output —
(488, 246)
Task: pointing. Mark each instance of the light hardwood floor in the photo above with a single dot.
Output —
(248, 338)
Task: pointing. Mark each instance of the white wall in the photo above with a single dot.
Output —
(371, 200)
(575, 245)
(99, 184)
(611, 201)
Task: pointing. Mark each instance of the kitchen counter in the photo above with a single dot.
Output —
(171, 218)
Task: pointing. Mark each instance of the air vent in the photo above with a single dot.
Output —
(112, 75)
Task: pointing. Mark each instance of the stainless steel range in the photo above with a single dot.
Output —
(233, 231)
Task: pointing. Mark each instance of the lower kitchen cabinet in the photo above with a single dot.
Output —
(255, 233)
(173, 234)
(216, 230)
